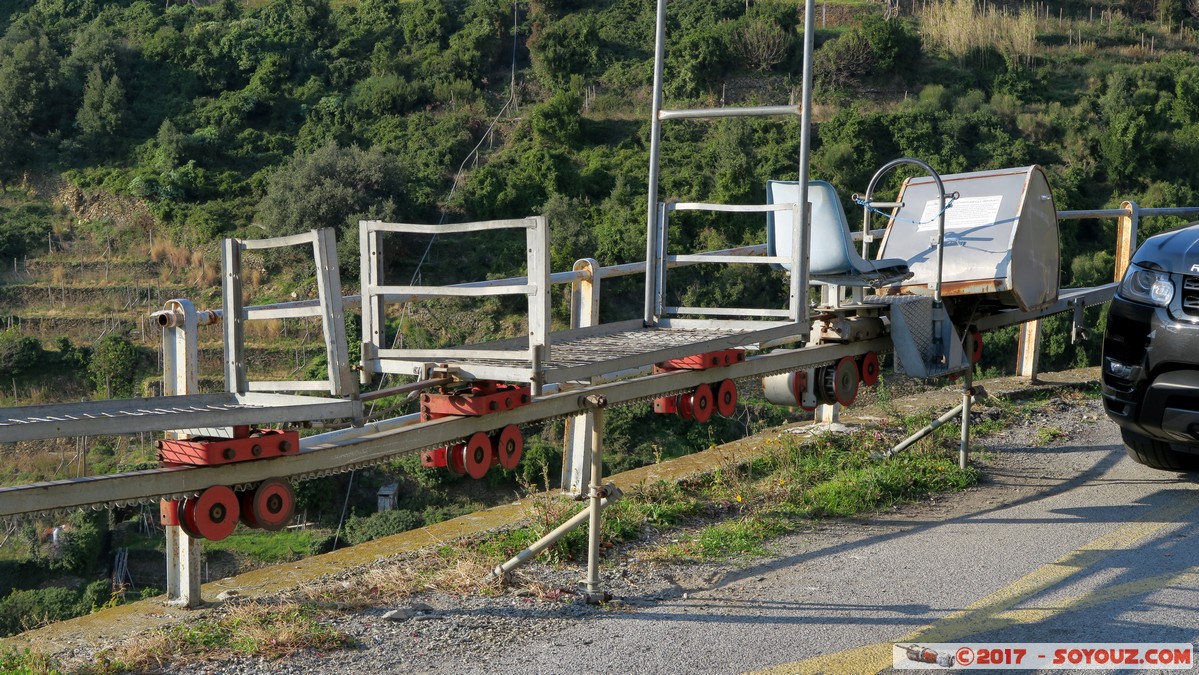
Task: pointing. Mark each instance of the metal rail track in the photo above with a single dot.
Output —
(374, 443)
(377, 442)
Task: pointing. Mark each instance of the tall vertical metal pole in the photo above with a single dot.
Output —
(655, 142)
(967, 396)
(799, 267)
(592, 589)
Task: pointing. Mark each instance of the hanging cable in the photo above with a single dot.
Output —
(416, 275)
(345, 505)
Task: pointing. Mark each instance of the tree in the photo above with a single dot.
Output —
(569, 46)
(426, 24)
(28, 80)
(171, 143)
(331, 187)
(101, 117)
(114, 366)
(18, 353)
(762, 44)
(1123, 144)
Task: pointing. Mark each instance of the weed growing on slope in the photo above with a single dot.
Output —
(268, 630)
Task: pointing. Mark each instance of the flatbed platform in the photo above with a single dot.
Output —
(166, 413)
(583, 353)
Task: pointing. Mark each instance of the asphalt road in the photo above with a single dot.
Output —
(1071, 543)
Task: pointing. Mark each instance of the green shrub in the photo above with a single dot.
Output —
(113, 367)
(82, 542)
(25, 609)
(362, 529)
(19, 354)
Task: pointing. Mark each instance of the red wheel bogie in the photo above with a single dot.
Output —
(454, 459)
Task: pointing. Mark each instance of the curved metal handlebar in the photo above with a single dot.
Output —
(940, 214)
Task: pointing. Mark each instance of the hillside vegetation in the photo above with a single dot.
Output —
(134, 134)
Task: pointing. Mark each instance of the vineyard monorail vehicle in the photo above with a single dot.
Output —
(960, 254)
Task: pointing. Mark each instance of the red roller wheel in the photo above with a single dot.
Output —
(509, 445)
(454, 459)
(684, 406)
(270, 506)
(871, 369)
(702, 403)
(726, 398)
(976, 345)
(477, 455)
(181, 518)
(845, 379)
(212, 515)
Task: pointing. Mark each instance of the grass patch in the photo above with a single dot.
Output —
(267, 630)
(1047, 435)
(28, 662)
(268, 547)
(744, 536)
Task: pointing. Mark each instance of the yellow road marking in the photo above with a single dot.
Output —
(995, 610)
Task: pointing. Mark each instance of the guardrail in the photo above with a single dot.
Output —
(587, 273)
(1128, 220)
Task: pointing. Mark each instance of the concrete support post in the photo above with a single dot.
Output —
(180, 376)
(828, 413)
(183, 568)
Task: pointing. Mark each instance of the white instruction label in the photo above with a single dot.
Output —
(962, 213)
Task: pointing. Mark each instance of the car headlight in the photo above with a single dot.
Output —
(1147, 286)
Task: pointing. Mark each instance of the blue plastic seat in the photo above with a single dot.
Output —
(834, 260)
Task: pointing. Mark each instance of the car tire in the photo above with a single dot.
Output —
(1157, 454)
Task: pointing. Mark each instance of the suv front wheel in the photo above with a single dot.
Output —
(1157, 454)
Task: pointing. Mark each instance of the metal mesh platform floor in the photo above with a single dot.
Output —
(603, 350)
(196, 411)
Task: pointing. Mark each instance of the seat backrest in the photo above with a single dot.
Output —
(832, 252)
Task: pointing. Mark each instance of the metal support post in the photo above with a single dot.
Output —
(1028, 354)
(928, 429)
(370, 276)
(180, 376)
(967, 397)
(591, 591)
(333, 319)
(234, 317)
(655, 145)
(540, 545)
(576, 444)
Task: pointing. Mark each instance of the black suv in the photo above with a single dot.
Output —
(1151, 353)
